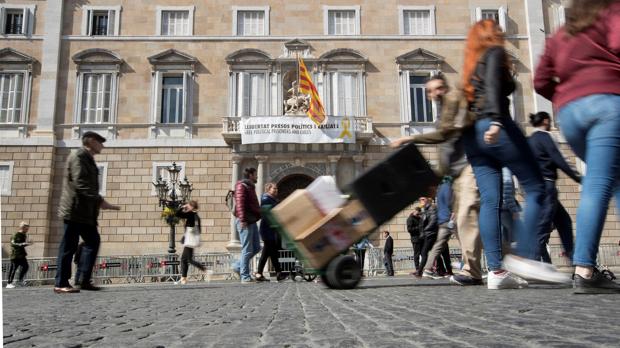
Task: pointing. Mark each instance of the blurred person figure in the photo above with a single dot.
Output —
(454, 118)
(18, 255)
(191, 238)
(271, 239)
(430, 228)
(388, 251)
(80, 204)
(510, 211)
(414, 227)
(495, 141)
(580, 72)
(444, 218)
(359, 249)
(550, 159)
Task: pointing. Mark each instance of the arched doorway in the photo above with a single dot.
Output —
(290, 183)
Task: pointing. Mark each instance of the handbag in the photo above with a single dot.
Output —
(191, 238)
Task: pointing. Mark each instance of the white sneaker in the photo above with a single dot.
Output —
(505, 280)
(10, 286)
(537, 270)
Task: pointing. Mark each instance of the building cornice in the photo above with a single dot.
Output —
(150, 38)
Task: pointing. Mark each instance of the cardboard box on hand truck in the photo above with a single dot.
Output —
(335, 233)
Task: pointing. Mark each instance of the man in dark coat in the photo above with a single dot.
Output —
(80, 203)
(388, 251)
(414, 228)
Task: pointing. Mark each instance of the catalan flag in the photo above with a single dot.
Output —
(316, 112)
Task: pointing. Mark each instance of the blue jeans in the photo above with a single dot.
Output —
(68, 246)
(487, 160)
(250, 246)
(591, 125)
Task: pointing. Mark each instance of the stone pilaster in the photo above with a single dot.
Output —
(234, 244)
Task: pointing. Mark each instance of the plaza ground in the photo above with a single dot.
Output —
(381, 312)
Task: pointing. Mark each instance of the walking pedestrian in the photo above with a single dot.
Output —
(359, 249)
(444, 218)
(80, 203)
(510, 214)
(495, 141)
(271, 239)
(453, 120)
(18, 255)
(550, 159)
(388, 251)
(191, 237)
(414, 227)
(430, 228)
(247, 213)
(579, 71)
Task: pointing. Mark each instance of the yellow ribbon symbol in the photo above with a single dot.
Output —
(346, 123)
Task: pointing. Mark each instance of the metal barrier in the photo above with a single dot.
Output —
(163, 267)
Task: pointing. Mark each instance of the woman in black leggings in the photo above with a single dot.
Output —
(191, 239)
(270, 237)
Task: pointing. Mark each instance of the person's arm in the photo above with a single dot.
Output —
(445, 130)
(493, 83)
(613, 32)
(558, 159)
(18, 240)
(545, 78)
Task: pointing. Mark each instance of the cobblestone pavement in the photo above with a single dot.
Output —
(396, 312)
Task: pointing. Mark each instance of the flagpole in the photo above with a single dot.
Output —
(298, 77)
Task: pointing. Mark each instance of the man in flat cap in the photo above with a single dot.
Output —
(80, 203)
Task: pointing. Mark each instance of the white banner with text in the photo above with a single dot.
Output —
(296, 129)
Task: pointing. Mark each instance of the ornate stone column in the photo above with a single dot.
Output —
(333, 166)
(234, 244)
(260, 184)
(359, 164)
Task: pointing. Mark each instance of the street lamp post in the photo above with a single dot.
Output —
(172, 194)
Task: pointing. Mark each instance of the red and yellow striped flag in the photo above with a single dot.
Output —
(316, 112)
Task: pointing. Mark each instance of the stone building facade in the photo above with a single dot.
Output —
(171, 80)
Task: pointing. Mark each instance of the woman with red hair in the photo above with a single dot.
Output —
(494, 142)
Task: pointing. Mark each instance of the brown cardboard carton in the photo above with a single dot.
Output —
(297, 213)
(335, 233)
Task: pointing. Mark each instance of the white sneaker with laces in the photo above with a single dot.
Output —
(531, 269)
(10, 286)
(505, 280)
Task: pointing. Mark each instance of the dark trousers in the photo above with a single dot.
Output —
(20, 262)
(444, 265)
(389, 266)
(187, 257)
(68, 246)
(270, 251)
(426, 247)
(360, 255)
(554, 214)
(417, 250)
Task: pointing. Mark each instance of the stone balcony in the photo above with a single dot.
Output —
(231, 129)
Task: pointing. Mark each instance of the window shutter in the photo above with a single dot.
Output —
(501, 13)
(111, 23)
(187, 97)
(25, 21)
(157, 94)
(89, 26)
(2, 19)
(478, 13)
(245, 87)
(405, 88)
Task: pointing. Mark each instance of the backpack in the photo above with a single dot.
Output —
(229, 200)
